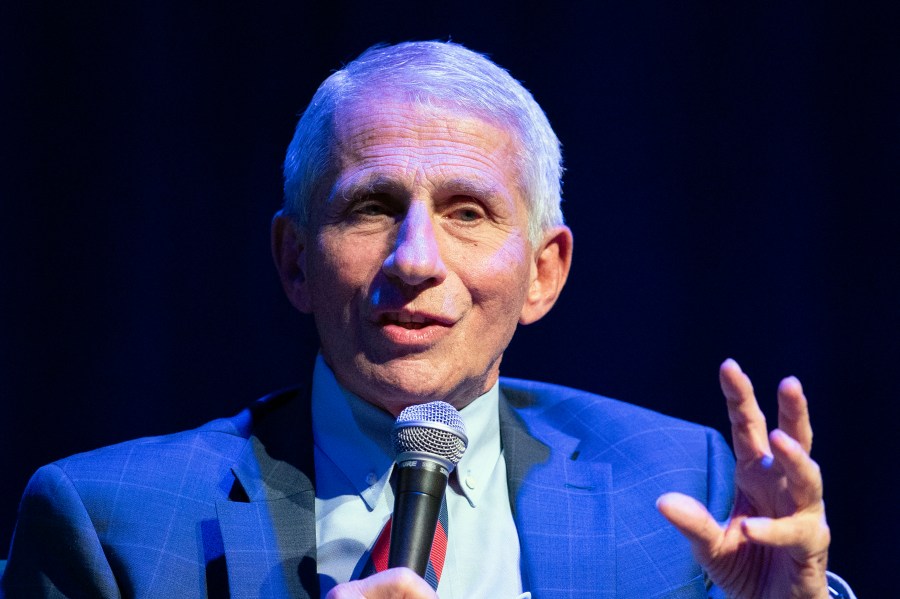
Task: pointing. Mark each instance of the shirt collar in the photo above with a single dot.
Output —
(477, 465)
(356, 437)
(352, 433)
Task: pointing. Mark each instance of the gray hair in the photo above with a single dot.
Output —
(429, 73)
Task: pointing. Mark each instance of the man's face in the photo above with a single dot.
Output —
(417, 262)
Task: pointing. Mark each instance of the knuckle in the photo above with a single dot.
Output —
(815, 469)
(406, 578)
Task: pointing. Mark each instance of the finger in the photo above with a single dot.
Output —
(748, 424)
(806, 534)
(693, 520)
(804, 478)
(395, 583)
(793, 412)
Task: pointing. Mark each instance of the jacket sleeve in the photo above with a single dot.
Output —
(55, 550)
(720, 476)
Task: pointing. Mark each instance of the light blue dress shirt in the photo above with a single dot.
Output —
(354, 459)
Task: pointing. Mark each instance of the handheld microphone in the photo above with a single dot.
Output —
(429, 440)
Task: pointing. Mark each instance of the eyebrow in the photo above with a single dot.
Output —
(379, 183)
(474, 188)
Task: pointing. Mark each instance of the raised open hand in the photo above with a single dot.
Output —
(775, 543)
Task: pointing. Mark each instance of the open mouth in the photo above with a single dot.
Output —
(412, 325)
(408, 320)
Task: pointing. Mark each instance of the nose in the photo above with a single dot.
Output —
(416, 258)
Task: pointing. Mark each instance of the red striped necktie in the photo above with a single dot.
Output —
(378, 557)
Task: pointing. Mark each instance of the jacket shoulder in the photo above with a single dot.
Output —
(163, 457)
(566, 407)
(635, 440)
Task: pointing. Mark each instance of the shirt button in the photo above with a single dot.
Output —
(371, 478)
(470, 482)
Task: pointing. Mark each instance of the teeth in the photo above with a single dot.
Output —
(407, 320)
(406, 317)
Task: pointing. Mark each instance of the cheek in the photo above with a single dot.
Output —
(347, 261)
(331, 278)
(501, 278)
(510, 257)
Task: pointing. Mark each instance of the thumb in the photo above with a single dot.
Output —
(692, 519)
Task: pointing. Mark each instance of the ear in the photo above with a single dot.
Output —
(549, 272)
(288, 245)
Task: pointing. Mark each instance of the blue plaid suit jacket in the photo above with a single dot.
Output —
(228, 509)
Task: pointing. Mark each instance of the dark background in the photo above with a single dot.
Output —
(732, 177)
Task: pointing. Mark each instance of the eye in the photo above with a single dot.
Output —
(468, 215)
(373, 205)
(467, 212)
(371, 209)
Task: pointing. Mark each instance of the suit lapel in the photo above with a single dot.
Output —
(268, 524)
(561, 506)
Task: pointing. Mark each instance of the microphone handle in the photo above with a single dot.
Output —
(420, 488)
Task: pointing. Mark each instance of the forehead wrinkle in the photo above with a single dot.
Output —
(435, 125)
(420, 148)
(444, 171)
(398, 151)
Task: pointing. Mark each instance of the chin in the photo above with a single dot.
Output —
(393, 393)
(394, 397)
(397, 383)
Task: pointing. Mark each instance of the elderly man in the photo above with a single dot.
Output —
(421, 225)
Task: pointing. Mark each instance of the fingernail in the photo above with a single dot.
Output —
(766, 461)
(789, 381)
(731, 363)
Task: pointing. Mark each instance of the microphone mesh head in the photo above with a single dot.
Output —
(434, 428)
